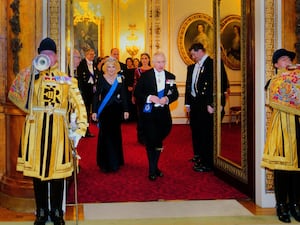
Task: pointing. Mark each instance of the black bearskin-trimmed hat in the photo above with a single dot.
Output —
(282, 52)
(47, 44)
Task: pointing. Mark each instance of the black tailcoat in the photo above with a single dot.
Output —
(157, 123)
(201, 121)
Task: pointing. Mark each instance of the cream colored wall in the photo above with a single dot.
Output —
(174, 14)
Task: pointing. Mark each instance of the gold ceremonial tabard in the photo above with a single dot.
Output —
(45, 150)
(280, 152)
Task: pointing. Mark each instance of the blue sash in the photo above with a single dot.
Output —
(160, 94)
(108, 96)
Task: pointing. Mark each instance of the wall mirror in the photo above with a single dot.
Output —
(231, 38)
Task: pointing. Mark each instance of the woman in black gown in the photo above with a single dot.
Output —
(109, 109)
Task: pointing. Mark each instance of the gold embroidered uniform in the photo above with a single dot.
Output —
(45, 150)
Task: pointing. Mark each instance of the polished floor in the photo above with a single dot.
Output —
(170, 209)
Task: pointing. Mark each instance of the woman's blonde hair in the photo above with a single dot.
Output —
(111, 61)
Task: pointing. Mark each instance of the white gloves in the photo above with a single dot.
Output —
(75, 137)
(73, 126)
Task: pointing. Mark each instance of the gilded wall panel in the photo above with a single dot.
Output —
(270, 40)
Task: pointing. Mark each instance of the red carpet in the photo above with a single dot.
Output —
(231, 142)
(131, 183)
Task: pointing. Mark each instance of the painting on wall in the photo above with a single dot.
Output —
(88, 24)
(87, 34)
(195, 28)
(231, 41)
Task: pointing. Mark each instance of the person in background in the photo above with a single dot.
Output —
(115, 53)
(45, 148)
(99, 64)
(145, 66)
(76, 61)
(155, 90)
(199, 106)
(136, 62)
(129, 83)
(282, 149)
(87, 80)
(129, 63)
(109, 108)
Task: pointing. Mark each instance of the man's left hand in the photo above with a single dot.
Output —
(210, 109)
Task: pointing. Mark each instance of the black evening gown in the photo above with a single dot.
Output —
(109, 149)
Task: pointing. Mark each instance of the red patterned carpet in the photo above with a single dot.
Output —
(131, 183)
(231, 142)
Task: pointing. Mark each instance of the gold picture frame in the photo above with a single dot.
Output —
(88, 33)
(231, 41)
(189, 34)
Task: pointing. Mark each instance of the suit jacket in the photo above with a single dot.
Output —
(147, 86)
(83, 76)
(157, 122)
(204, 96)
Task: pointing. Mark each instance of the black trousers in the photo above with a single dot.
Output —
(201, 123)
(156, 127)
(41, 190)
(287, 183)
(287, 187)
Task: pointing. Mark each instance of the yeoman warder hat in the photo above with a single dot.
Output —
(47, 44)
(282, 52)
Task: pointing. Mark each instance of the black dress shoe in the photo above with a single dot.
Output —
(41, 217)
(295, 211)
(202, 168)
(152, 177)
(57, 217)
(283, 213)
(39, 222)
(195, 159)
(59, 222)
(198, 164)
(159, 173)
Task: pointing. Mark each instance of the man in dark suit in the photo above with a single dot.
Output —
(199, 105)
(155, 90)
(87, 80)
(115, 53)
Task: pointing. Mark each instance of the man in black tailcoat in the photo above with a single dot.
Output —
(199, 105)
(87, 80)
(156, 89)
